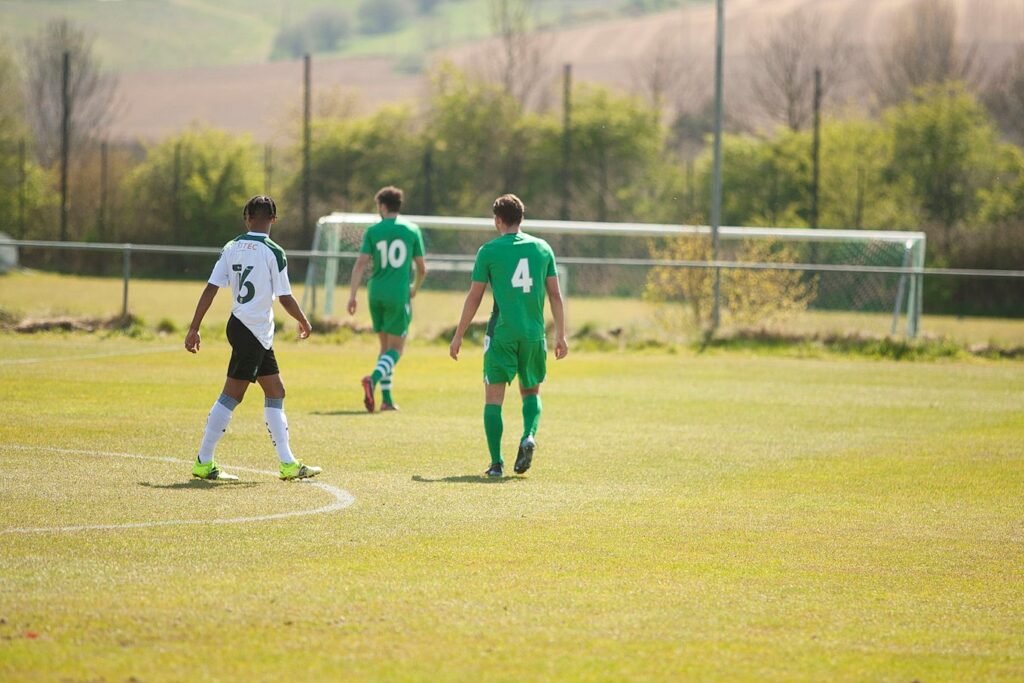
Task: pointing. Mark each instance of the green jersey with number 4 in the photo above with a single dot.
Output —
(516, 265)
(393, 243)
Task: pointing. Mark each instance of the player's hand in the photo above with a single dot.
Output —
(561, 348)
(192, 341)
(352, 305)
(455, 347)
(305, 329)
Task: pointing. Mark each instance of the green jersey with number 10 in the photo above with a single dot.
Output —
(393, 243)
(517, 266)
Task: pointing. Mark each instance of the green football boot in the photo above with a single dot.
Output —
(297, 470)
(211, 472)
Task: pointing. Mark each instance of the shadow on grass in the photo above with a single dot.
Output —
(466, 479)
(334, 413)
(199, 484)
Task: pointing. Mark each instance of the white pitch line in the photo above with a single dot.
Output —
(342, 498)
(88, 356)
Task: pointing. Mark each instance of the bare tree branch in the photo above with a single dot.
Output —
(923, 50)
(783, 86)
(91, 93)
(520, 64)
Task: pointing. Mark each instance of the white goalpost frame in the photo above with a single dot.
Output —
(911, 280)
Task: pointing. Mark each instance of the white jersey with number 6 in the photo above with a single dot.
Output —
(256, 269)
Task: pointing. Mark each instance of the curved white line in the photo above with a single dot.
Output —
(342, 498)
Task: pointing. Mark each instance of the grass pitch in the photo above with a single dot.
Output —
(720, 516)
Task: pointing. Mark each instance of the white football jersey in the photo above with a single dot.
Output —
(256, 269)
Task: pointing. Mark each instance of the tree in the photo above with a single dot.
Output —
(1005, 97)
(519, 59)
(322, 30)
(92, 94)
(381, 16)
(922, 51)
(23, 191)
(354, 157)
(783, 85)
(945, 146)
(191, 188)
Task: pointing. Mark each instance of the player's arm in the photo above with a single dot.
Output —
(291, 306)
(421, 275)
(558, 311)
(469, 309)
(205, 301)
(357, 277)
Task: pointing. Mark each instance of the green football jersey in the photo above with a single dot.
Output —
(516, 265)
(393, 243)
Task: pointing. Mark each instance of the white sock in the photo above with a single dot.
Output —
(277, 425)
(216, 425)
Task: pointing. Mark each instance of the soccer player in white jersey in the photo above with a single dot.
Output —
(256, 270)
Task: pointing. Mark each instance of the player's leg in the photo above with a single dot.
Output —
(245, 359)
(531, 419)
(277, 422)
(377, 314)
(494, 396)
(499, 369)
(532, 371)
(395, 344)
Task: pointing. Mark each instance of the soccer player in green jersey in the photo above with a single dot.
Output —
(521, 270)
(256, 271)
(394, 245)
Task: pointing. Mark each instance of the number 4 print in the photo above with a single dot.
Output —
(521, 278)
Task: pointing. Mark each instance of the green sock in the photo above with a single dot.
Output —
(385, 387)
(531, 414)
(385, 365)
(493, 428)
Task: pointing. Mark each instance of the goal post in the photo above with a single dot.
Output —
(855, 270)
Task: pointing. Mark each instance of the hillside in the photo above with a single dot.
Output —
(143, 35)
(617, 52)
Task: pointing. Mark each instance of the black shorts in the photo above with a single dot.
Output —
(249, 359)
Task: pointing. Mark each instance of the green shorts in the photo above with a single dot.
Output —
(390, 317)
(503, 360)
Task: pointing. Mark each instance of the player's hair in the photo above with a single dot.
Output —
(510, 209)
(260, 206)
(391, 197)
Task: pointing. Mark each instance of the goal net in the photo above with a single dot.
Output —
(864, 280)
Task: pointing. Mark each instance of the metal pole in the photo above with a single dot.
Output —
(176, 190)
(716, 180)
(104, 178)
(268, 170)
(22, 186)
(65, 143)
(306, 145)
(428, 179)
(901, 289)
(566, 138)
(126, 259)
(816, 149)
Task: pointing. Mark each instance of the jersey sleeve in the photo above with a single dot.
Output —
(220, 274)
(481, 273)
(552, 267)
(279, 279)
(366, 248)
(417, 244)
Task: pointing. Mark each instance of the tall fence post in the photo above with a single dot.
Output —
(22, 187)
(716, 180)
(126, 269)
(307, 142)
(566, 140)
(65, 144)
